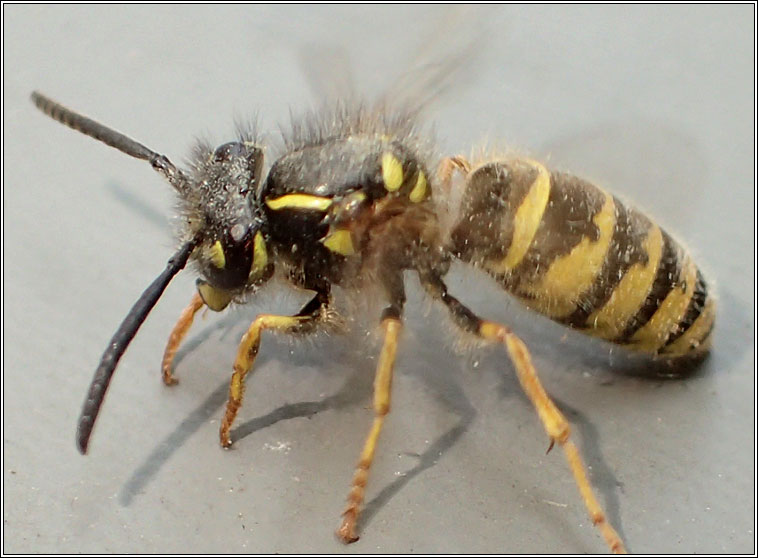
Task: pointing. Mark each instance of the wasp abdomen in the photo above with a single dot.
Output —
(576, 254)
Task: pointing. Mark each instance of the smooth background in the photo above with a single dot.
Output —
(656, 102)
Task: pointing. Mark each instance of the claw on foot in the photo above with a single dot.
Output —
(346, 532)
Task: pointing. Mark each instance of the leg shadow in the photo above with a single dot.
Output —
(165, 449)
(602, 477)
(354, 390)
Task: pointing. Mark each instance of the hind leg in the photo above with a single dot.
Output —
(555, 424)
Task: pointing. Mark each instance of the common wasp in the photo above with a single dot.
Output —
(356, 199)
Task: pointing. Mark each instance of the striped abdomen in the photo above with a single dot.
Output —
(576, 254)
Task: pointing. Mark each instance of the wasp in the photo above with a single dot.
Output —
(357, 198)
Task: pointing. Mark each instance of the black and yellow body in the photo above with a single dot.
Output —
(341, 205)
(581, 257)
(356, 199)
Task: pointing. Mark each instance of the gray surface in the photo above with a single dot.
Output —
(656, 102)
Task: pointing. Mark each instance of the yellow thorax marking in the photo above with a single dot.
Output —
(260, 257)
(340, 242)
(300, 201)
(527, 219)
(392, 172)
(217, 256)
(419, 190)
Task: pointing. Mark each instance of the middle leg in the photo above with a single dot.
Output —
(382, 388)
(392, 326)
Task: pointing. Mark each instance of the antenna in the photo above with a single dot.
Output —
(121, 339)
(111, 137)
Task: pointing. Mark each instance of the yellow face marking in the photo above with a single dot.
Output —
(609, 321)
(392, 172)
(526, 220)
(568, 277)
(260, 257)
(419, 190)
(215, 299)
(300, 201)
(340, 242)
(692, 340)
(653, 334)
(216, 253)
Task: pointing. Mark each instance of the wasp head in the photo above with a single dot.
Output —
(221, 205)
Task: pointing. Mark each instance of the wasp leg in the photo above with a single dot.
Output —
(392, 326)
(555, 424)
(304, 321)
(177, 334)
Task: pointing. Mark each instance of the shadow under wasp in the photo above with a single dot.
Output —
(356, 200)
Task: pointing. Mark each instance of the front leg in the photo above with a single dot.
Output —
(206, 295)
(177, 335)
(305, 321)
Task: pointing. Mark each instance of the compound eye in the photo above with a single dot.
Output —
(229, 151)
(229, 259)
